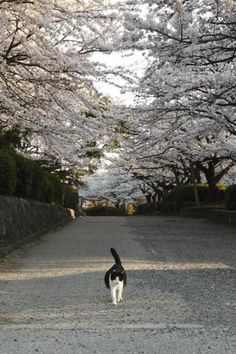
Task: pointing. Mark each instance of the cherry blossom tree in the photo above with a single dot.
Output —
(45, 75)
(183, 126)
(111, 182)
(189, 120)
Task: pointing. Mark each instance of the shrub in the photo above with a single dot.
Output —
(48, 190)
(52, 190)
(146, 209)
(24, 176)
(27, 179)
(39, 182)
(230, 197)
(70, 198)
(105, 211)
(170, 206)
(7, 173)
(221, 189)
(185, 194)
(58, 190)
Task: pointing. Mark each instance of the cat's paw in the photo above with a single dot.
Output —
(114, 302)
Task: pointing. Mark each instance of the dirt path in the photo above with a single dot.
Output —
(53, 299)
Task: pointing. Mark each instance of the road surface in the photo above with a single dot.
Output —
(180, 297)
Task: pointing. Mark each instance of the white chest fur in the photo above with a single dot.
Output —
(116, 287)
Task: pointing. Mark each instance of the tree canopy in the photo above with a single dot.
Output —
(185, 117)
(182, 125)
(45, 74)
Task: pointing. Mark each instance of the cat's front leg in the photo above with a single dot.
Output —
(113, 296)
(119, 295)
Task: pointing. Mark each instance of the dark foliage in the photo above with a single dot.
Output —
(230, 197)
(7, 173)
(70, 197)
(25, 178)
(185, 194)
(105, 211)
(146, 209)
(39, 182)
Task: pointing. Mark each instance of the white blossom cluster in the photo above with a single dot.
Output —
(45, 74)
(184, 127)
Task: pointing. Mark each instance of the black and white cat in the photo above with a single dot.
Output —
(115, 279)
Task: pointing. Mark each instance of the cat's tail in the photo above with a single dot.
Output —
(115, 255)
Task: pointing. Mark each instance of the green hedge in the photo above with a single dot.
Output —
(169, 206)
(179, 197)
(8, 178)
(25, 178)
(230, 197)
(39, 182)
(182, 196)
(174, 200)
(53, 190)
(146, 209)
(185, 194)
(70, 197)
(105, 211)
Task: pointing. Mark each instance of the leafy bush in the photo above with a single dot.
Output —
(48, 192)
(182, 196)
(146, 209)
(105, 211)
(23, 175)
(185, 194)
(52, 191)
(58, 190)
(39, 182)
(170, 206)
(26, 178)
(221, 189)
(230, 197)
(70, 198)
(7, 173)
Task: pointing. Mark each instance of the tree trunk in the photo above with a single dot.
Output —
(148, 198)
(193, 178)
(212, 188)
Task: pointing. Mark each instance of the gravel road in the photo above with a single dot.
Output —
(180, 297)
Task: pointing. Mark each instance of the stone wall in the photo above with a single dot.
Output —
(21, 219)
